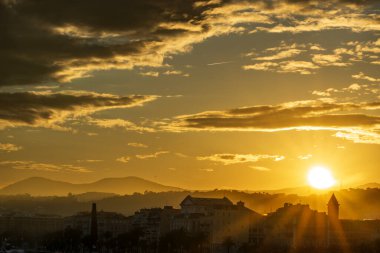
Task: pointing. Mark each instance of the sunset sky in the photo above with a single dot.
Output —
(196, 94)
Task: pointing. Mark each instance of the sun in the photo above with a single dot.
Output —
(320, 177)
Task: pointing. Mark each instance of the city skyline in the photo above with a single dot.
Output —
(197, 224)
(246, 95)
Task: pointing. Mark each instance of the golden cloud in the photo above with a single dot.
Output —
(298, 115)
(32, 165)
(154, 155)
(228, 159)
(9, 147)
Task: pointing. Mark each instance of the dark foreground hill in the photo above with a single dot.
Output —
(38, 186)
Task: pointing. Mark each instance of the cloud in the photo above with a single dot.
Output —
(63, 44)
(364, 51)
(181, 155)
(298, 115)
(137, 145)
(281, 52)
(321, 93)
(154, 155)
(63, 40)
(218, 63)
(355, 91)
(118, 123)
(150, 73)
(207, 170)
(52, 109)
(32, 165)
(360, 136)
(280, 55)
(354, 87)
(89, 161)
(311, 16)
(260, 168)
(362, 76)
(292, 115)
(9, 147)
(175, 73)
(302, 67)
(329, 60)
(305, 157)
(123, 159)
(261, 66)
(228, 159)
(297, 58)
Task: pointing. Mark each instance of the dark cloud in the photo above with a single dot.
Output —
(34, 49)
(51, 109)
(44, 41)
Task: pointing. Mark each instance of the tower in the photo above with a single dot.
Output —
(333, 208)
(333, 220)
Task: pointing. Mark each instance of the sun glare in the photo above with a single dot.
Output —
(320, 177)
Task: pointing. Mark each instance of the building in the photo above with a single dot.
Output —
(107, 222)
(347, 233)
(358, 231)
(220, 219)
(293, 226)
(333, 208)
(298, 226)
(153, 223)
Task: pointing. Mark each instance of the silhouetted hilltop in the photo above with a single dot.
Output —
(38, 186)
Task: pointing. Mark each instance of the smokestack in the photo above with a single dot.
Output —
(94, 228)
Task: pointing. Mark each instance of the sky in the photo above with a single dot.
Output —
(235, 94)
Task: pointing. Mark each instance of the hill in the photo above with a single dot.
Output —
(369, 185)
(39, 186)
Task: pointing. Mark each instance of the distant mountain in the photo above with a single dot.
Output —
(369, 185)
(39, 186)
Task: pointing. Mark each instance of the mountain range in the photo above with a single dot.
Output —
(107, 187)
(39, 186)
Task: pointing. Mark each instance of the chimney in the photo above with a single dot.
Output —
(240, 204)
(94, 227)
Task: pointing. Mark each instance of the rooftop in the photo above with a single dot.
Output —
(189, 200)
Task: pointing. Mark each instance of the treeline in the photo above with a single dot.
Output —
(354, 203)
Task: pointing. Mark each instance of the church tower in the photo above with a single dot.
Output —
(334, 231)
(333, 208)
